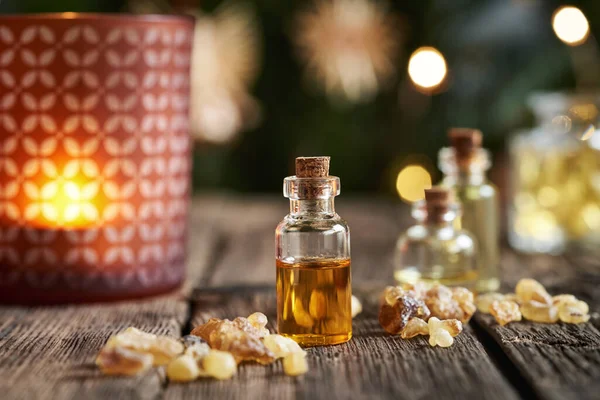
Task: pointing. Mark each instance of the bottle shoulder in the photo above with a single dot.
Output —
(446, 238)
(332, 223)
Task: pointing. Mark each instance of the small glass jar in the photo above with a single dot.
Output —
(466, 178)
(555, 176)
(313, 264)
(434, 250)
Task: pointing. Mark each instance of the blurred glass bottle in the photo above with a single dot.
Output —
(433, 250)
(555, 175)
(464, 165)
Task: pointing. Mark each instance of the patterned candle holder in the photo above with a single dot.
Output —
(94, 156)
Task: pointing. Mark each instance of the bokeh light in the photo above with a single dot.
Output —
(427, 67)
(412, 181)
(570, 25)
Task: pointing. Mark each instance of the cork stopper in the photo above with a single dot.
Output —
(437, 203)
(437, 195)
(312, 167)
(466, 142)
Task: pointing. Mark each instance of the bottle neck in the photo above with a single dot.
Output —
(445, 221)
(459, 172)
(458, 177)
(312, 207)
(435, 220)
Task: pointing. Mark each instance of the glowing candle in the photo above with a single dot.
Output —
(94, 156)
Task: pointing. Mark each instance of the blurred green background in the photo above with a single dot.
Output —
(497, 52)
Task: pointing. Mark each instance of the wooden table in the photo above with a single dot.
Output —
(48, 352)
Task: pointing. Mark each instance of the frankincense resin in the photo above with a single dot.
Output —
(314, 307)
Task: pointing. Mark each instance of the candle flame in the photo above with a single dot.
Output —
(63, 203)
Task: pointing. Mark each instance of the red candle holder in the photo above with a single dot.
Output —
(94, 156)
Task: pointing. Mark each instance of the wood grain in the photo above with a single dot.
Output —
(48, 352)
(559, 361)
(373, 365)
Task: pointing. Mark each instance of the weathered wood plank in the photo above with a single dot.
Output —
(372, 365)
(49, 352)
(559, 361)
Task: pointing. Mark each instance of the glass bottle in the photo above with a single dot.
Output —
(313, 259)
(464, 165)
(433, 250)
(555, 176)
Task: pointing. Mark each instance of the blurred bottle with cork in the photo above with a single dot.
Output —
(464, 165)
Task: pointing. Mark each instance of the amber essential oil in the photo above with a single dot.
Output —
(312, 258)
(314, 305)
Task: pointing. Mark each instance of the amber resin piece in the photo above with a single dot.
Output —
(417, 289)
(440, 338)
(505, 311)
(123, 361)
(462, 295)
(239, 337)
(453, 326)
(250, 328)
(562, 299)
(196, 348)
(415, 327)
(570, 309)
(442, 333)
(281, 346)
(219, 364)
(393, 318)
(446, 303)
(512, 297)
(572, 315)
(259, 321)
(539, 312)
(183, 369)
(391, 294)
(485, 300)
(197, 351)
(162, 348)
(295, 364)
(530, 289)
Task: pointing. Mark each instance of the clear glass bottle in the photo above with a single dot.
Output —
(313, 259)
(464, 165)
(434, 250)
(555, 176)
